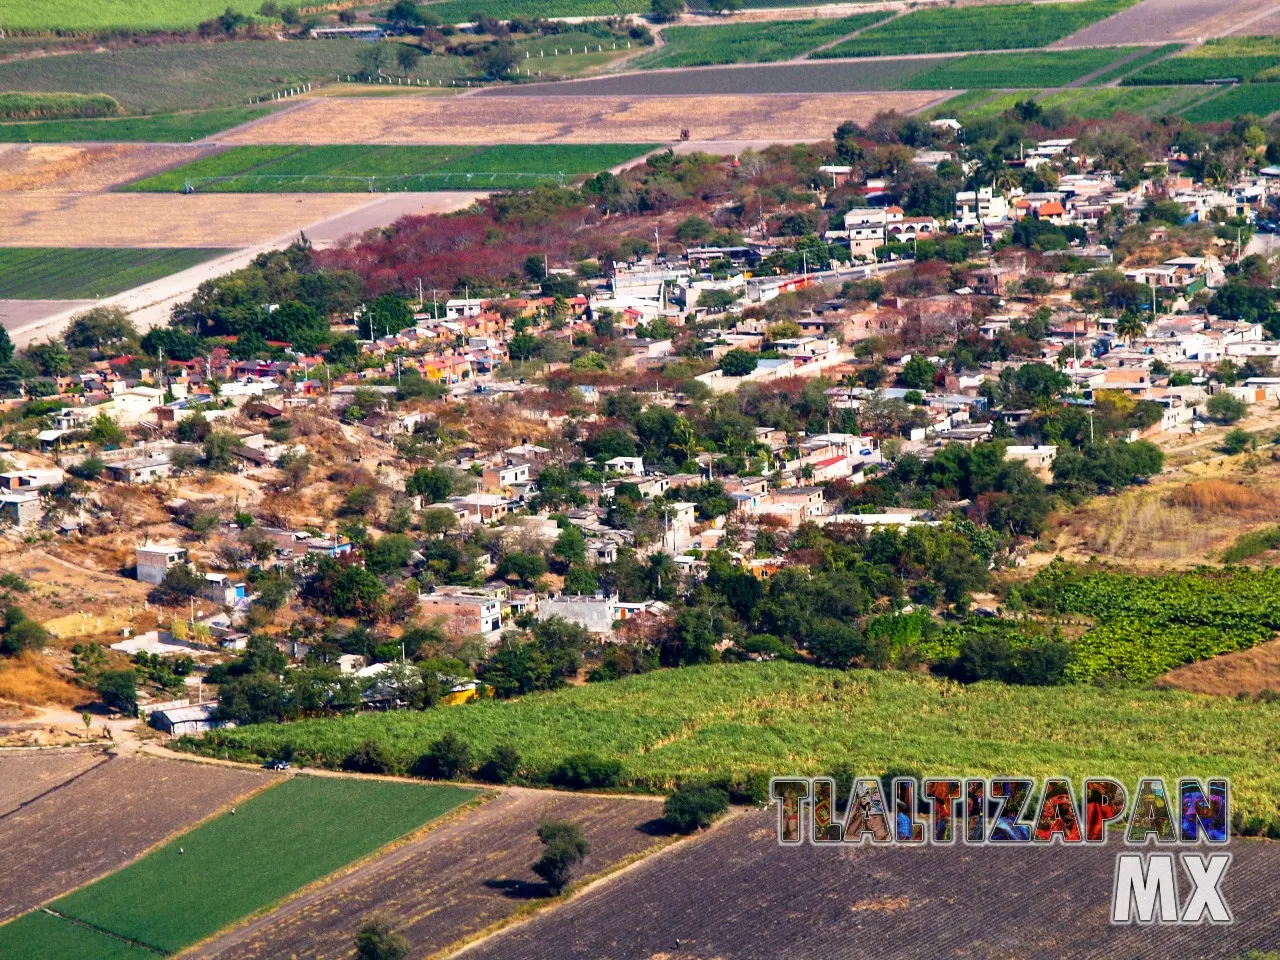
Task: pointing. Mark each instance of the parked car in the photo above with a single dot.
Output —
(276, 765)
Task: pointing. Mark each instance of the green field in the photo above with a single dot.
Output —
(61, 939)
(784, 718)
(951, 29)
(57, 273)
(56, 106)
(1137, 63)
(993, 106)
(1045, 68)
(1260, 98)
(749, 42)
(335, 169)
(1241, 58)
(237, 864)
(464, 11)
(159, 128)
(1092, 103)
(164, 79)
(88, 16)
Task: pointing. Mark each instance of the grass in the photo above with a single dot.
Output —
(53, 273)
(994, 106)
(950, 29)
(1093, 103)
(783, 718)
(161, 128)
(1241, 58)
(237, 864)
(56, 106)
(61, 939)
(166, 79)
(463, 11)
(356, 168)
(959, 105)
(550, 54)
(749, 42)
(1251, 545)
(1259, 98)
(100, 15)
(1044, 68)
(1137, 63)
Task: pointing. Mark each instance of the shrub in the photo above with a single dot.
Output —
(1236, 441)
(1225, 408)
(377, 941)
(565, 848)
(694, 807)
(90, 468)
(503, 764)
(445, 759)
(369, 757)
(585, 770)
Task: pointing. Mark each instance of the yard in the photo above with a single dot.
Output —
(48, 273)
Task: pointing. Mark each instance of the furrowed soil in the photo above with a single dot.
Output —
(448, 884)
(570, 119)
(103, 820)
(85, 169)
(25, 776)
(736, 893)
(1163, 20)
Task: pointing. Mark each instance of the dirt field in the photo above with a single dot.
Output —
(47, 219)
(1245, 671)
(85, 169)
(60, 587)
(1169, 20)
(447, 885)
(103, 820)
(736, 893)
(571, 119)
(20, 313)
(28, 775)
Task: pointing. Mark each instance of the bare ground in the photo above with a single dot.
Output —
(30, 774)
(1245, 671)
(72, 168)
(1167, 21)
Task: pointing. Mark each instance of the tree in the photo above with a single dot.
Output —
(295, 464)
(51, 358)
(377, 941)
(716, 301)
(446, 758)
(584, 771)
(738, 363)
(106, 329)
(694, 806)
(918, 373)
(1225, 408)
(105, 432)
(1237, 440)
(502, 765)
(664, 11)
(388, 554)
(118, 689)
(497, 60)
(571, 546)
(433, 484)
(984, 657)
(581, 581)
(373, 57)
(523, 346)
(21, 633)
(180, 583)
(438, 521)
(354, 591)
(218, 448)
(566, 847)
(525, 567)
(90, 468)
(370, 757)
(6, 346)
(1130, 326)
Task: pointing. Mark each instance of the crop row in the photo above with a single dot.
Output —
(750, 42)
(1045, 68)
(159, 128)
(1238, 58)
(54, 273)
(1000, 27)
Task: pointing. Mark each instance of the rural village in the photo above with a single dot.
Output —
(447, 479)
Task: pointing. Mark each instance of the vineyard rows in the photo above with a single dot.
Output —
(1238, 58)
(750, 42)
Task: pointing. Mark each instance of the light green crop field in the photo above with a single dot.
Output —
(1257, 98)
(59, 273)
(1239, 58)
(1137, 63)
(749, 42)
(236, 864)
(93, 15)
(1001, 27)
(59, 939)
(1098, 103)
(1044, 68)
(358, 168)
(159, 128)
(783, 718)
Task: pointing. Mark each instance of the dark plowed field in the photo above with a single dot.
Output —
(450, 883)
(737, 894)
(104, 819)
(25, 776)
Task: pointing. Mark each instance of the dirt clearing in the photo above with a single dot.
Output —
(103, 820)
(85, 169)
(1167, 21)
(1245, 671)
(573, 119)
(449, 884)
(25, 776)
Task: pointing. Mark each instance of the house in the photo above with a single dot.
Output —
(21, 509)
(221, 589)
(597, 614)
(497, 478)
(31, 479)
(467, 611)
(194, 718)
(144, 469)
(976, 208)
(1038, 457)
(154, 560)
(631, 465)
(488, 507)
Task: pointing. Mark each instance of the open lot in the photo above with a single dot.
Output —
(810, 903)
(449, 884)
(570, 119)
(30, 775)
(70, 168)
(65, 274)
(101, 821)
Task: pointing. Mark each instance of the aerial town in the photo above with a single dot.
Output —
(525, 478)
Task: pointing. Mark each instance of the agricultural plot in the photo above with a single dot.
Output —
(811, 902)
(102, 820)
(951, 29)
(1045, 68)
(238, 863)
(448, 884)
(738, 719)
(81, 169)
(85, 16)
(749, 42)
(25, 776)
(1238, 58)
(45, 273)
(464, 11)
(1137, 63)
(161, 128)
(1262, 99)
(165, 79)
(337, 169)
(993, 106)
(1092, 103)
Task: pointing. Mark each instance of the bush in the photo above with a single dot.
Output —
(90, 468)
(377, 941)
(1237, 440)
(694, 807)
(445, 759)
(565, 848)
(585, 770)
(369, 757)
(1225, 408)
(21, 633)
(503, 764)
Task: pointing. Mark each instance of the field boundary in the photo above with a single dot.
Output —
(103, 931)
(57, 786)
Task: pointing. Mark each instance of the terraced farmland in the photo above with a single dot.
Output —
(59, 273)
(950, 29)
(1239, 58)
(161, 128)
(359, 168)
(238, 863)
(1045, 68)
(750, 42)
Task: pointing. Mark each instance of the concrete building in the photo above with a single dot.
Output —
(145, 469)
(466, 611)
(154, 560)
(195, 718)
(21, 509)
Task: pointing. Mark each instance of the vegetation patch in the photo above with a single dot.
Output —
(1257, 98)
(358, 168)
(163, 128)
(1238, 58)
(1100, 103)
(54, 106)
(1002, 27)
(63, 939)
(1137, 63)
(240, 862)
(81, 16)
(55, 273)
(1046, 68)
(750, 42)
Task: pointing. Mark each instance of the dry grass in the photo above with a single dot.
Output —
(1245, 671)
(483, 120)
(49, 219)
(30, 679)
(90, 169)
(1219, 496)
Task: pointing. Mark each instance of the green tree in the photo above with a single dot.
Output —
(377, 941)
(571, 546)
(219, 446)
(525, 567)
(21, 633)
(664, 11)
(1225, 408)
(408, 57)
(105, 432)
(433, 484)
(105, 329)
(1237, 440)
(738, 363)
(118, 689)
(694, 806)
(388, 554)
(918, 374)
(502, 765)
(565, 847)
(716, 301)
(446, 758)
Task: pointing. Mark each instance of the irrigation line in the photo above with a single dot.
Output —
(140, 944)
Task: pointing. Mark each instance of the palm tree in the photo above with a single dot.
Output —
(1130, 326)
(683, 441)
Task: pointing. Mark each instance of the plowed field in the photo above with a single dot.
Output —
(25, 776)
